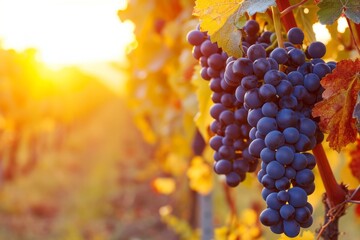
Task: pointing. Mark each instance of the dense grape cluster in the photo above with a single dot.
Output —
(262, 110)
(230, 126)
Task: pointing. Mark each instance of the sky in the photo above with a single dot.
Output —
(65, 31)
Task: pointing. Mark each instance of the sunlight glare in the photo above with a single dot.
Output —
(342, 25)
(321, 33)
(66, 31)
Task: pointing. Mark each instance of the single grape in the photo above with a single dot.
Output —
(287, 212)
(273, 202)
(266, 125)
(249, 82)
(195, 37)
(256, 51)
(311, 82)
(291, 228)
(251, 27)
(317, 50)
(295, 35)
(269, 217)
(256, 146)
(291, 135)
(273, 77)
(208, 48)
(252, 98)
(284, 155)
(300, 162)
(267, 155)
(267, 92)
(274, 139)
(233, 179)
(280, 55)
(302, 214)
(286, 118)
(282, 183)
(296, 78)
(261, 66)
(321, 69)
(275, 170)
(242, 67)
(269, 109)
(297, 197)
(223, 166)
(304, 177)
(297, 57)
(216, 61)
(254, 116)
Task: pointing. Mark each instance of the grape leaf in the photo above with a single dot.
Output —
(219, 18)
(200, 175)
(339, 99)
(203, 93)
(164, 185)
(330, 10)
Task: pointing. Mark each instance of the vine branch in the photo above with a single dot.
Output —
(353, 35)
(335, 193)
(290, 8)
(288, 19)
(277, 25)
(230, 201)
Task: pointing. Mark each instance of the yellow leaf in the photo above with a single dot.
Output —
(200, 175)
(164, 185)
(214, 14)
(203, 92)
(219, 18)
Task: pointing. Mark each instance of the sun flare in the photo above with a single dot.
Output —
(66, 32)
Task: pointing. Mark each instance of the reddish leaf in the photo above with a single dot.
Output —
(355, 161)
(339, 99)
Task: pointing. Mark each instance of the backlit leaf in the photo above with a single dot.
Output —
(164, 185)
(221, 18)
(203, 92)
(339, 99)
(200, 175)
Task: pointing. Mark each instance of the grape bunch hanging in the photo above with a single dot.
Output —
(262, 113)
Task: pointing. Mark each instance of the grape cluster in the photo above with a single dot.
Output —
(230, 126)
(262, 110)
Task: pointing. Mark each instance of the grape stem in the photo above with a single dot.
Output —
(290, 8)
(353, 35)
(277, 25)
(230, 201)
(335, 193)
(288, 19)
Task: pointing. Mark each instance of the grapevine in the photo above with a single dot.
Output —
(263, 99)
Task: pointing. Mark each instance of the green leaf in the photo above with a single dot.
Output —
(353, 10)
(330, 10)
(255, 6)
